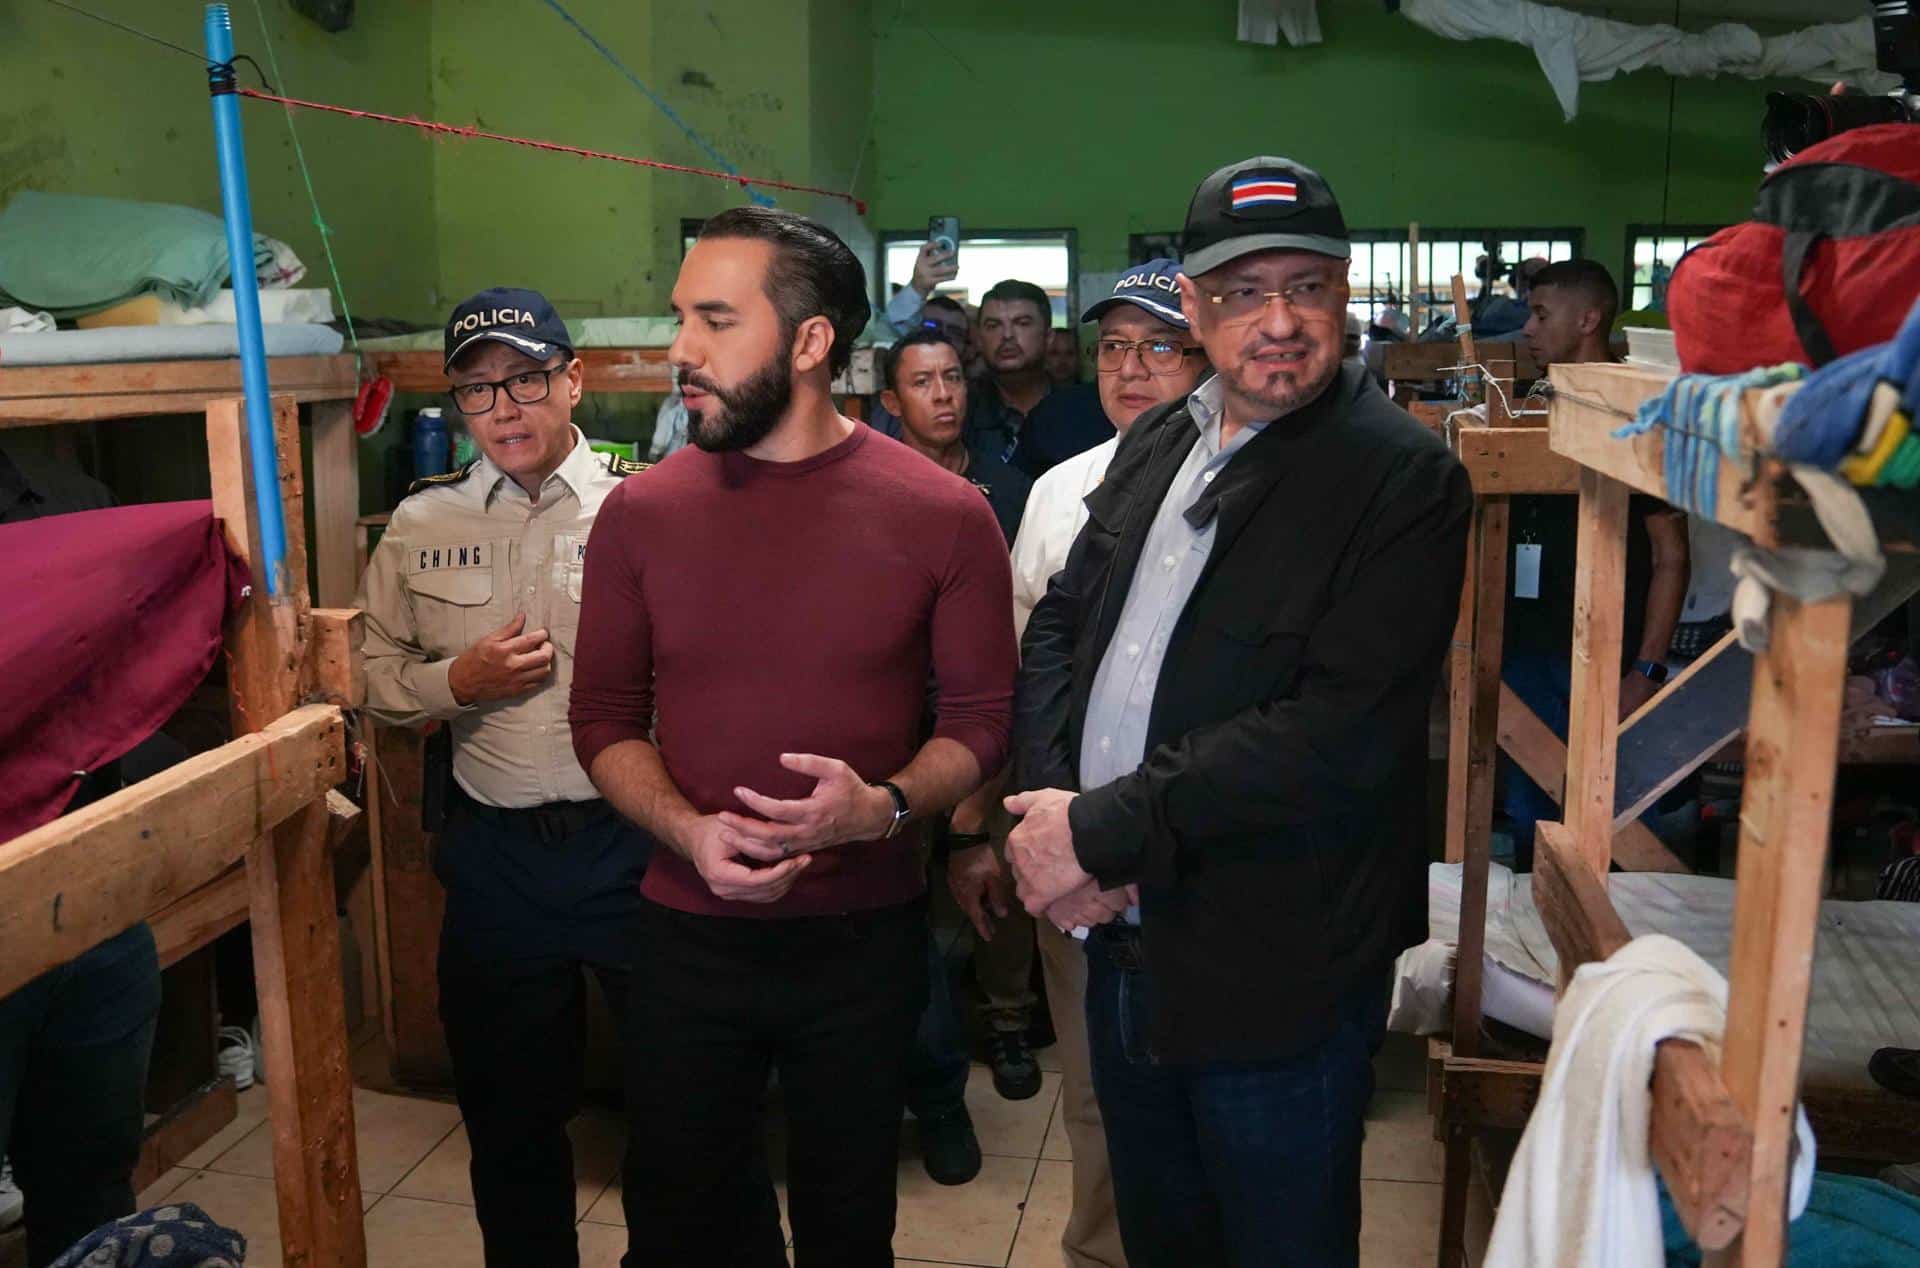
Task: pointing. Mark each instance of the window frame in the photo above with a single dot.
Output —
(1691, 235)
(967, 234)
(1521, 236)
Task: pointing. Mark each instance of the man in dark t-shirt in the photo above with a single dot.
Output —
(1572, 304)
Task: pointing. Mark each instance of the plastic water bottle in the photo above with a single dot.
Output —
(430, 453)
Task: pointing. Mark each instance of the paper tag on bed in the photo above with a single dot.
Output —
(1526, 570)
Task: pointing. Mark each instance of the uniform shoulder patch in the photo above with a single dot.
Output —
(448, 477)
(616, 465)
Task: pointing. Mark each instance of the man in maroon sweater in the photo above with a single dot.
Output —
(761, 614)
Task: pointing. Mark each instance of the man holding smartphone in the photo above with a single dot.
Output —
(937, 262)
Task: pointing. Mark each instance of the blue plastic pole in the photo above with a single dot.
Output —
(246, 299)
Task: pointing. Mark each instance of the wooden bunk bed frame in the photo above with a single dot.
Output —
(1724, 1159)
(245, 831)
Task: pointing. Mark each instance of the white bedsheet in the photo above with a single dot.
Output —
(1866, 969)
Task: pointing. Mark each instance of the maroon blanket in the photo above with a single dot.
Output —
(113, 617)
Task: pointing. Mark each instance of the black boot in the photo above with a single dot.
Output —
(1016, 1075)
(948, 1148)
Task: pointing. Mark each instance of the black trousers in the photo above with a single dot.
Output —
(525, 917)
(716, 1003)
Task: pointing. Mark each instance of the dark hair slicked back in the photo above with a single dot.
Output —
(912, 339)
(813, 274)
(1014, 290)
(1587, 278)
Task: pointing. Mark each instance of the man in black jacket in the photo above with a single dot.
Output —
(1221, 728)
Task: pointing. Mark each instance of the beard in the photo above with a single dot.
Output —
(748, 410)
(1281, 395)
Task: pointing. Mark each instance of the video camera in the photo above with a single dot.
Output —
(1795, 120)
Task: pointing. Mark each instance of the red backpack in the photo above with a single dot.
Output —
(1830, 262)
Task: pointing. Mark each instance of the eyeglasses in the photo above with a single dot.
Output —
(528, 388)
(1244, 303)
(1160, 356)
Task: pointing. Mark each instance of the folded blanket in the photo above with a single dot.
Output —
(70, 255)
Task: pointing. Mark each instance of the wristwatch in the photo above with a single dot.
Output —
(900, 808)
(1652, 670)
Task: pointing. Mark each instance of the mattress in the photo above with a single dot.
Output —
(1866, 992)
(160, 343)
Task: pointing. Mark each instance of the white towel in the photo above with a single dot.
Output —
(1581, 1193)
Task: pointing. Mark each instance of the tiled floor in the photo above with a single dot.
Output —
(413, 1156)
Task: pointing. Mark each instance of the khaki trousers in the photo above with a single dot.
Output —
(1092, 1237)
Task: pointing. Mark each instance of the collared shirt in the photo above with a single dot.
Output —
(459, 560)
(1115, 739)
(1056, 512)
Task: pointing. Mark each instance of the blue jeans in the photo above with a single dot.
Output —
(74, 1044)
(1543, 682)
(1253, 1164)
(937, 1067)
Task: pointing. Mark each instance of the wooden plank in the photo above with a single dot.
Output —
(1479, 1093)
(1592, 401)
(605, 369)
(336, 673)
(1431, 414)
(1572, 901)
(1489, 537)
(264, 641)
(1598, 629)
(183, 1129)
(34, 395)
(183, 927)
(1422, 362)
(1536, 750)
(336, 502)
(1508, 460)
(411, 906)
(73, 883)
(303, 1035)
(1460, 709)
(1701, 1138)
(1785, 813)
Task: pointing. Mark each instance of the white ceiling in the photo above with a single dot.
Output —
(1793, 12)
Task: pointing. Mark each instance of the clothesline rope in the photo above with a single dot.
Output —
(435, 128)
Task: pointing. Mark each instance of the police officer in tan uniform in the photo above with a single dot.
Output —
(472, 603)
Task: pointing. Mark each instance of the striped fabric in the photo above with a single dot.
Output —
(1900, 882)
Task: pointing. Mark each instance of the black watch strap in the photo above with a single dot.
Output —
(900, 807)
(1652, 670)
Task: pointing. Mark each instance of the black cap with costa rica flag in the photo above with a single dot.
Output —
(1261, 204)
(521, 319)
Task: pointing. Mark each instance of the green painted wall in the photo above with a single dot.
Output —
(91, 110)
(1075, 113)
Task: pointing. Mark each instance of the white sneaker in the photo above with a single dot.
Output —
(13, 1204)
(1905, 1178)
(236, 1056)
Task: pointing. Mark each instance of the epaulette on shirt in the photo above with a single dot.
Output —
(618, 466)
(448, 477)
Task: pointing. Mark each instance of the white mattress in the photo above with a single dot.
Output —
(1866, 969)
(160, 343)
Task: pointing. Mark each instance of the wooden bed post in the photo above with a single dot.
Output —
(1594, 705)
(1792, 735)
(336, 502)
(296, 936)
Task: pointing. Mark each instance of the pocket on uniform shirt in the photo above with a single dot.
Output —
(454, 604)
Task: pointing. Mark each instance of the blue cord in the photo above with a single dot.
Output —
(719, 159)
(1700, 414)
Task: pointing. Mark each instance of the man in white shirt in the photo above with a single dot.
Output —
(1145, 356)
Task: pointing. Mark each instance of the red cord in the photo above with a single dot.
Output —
(447, 129)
